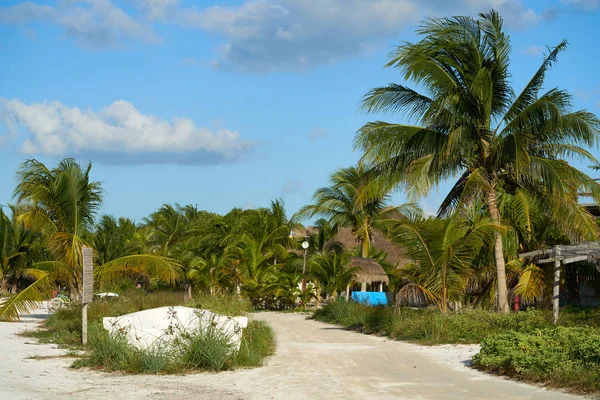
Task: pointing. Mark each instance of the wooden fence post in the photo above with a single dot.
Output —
(88, 289)
(556, 288)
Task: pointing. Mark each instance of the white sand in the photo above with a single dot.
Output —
(313, 360)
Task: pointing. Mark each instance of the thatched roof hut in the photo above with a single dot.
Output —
(369, 271)
(395, 254)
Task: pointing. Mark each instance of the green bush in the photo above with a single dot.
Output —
(208, 349)
(224, 304)
(257, 344)
(429, 326)
(565, 357)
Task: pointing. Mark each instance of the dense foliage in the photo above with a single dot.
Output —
(428, 326)
(567, 357)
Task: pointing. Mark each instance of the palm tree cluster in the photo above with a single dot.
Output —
(506, 152)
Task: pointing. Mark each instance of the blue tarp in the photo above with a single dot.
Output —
(370, 298)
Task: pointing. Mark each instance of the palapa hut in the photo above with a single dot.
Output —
(369, 272)
(395, 254)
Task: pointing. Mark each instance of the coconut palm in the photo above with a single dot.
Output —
(17, 247)
(114, 238)
(60, 205)
(331, 270)
(442, 251)
(471, 125)
(353, 200)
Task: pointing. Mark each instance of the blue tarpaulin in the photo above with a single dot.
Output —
(370, 298)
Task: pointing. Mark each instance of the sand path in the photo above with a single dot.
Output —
(313, 361)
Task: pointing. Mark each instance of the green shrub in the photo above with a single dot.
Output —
(224, 304)
(566, 357)
(347, 313)
(429, 326)
(208, 349)
(257, 343)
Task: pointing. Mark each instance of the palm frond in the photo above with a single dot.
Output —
(162, 268)
(26, 300)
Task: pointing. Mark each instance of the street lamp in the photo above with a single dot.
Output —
(305, 247)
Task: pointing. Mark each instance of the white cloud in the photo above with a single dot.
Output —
(292, 186)
(118, 133)
(533, 51)
(317, 133)
(156, 9)
(92, 24)
(585, 4)
(263, 35)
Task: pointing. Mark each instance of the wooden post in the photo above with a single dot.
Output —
(88, 288)
(84, 328)
(381, 286)
(363, 286)
(347, 292)
(556, 289)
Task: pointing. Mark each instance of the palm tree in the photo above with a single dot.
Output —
(15, 250)
(60, 205)
(331, 270)
(443, 251)
(353, 200)
(113, 239)
(473, 126)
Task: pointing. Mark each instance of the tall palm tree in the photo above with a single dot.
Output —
(471, 125)
(60, 205)
(353, 200)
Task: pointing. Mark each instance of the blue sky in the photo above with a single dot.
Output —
(232, 103)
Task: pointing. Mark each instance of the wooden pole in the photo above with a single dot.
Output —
(84, 324)
(347, 292)
(556, 289)
(88, 288)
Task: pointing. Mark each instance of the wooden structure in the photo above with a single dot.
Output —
(562, 255)
(368, 272)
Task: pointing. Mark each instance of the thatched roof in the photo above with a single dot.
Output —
(369, 270)
(395, 254)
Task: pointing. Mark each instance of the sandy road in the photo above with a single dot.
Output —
(313, 361)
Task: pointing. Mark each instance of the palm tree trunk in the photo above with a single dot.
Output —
(366, 244)
(3, 285)
(444, 291)
(502, 290)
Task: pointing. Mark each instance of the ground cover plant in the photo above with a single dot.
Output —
(208, 350)
(560, 357)
(429, 326)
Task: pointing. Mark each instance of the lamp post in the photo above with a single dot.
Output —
(305, 247)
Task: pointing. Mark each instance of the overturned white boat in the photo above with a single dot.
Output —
(160, 328)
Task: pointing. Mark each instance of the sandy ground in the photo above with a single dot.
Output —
(313, 360)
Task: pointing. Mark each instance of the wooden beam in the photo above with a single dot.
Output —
(537, 253)
(570, 260)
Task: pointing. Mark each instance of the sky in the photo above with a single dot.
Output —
(233, 103)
